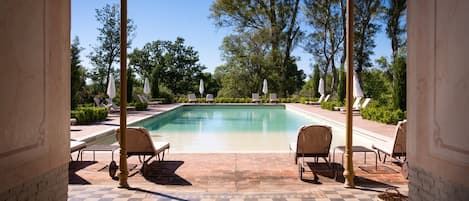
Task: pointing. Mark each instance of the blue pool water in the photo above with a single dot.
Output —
(261, 120)
(232, 128)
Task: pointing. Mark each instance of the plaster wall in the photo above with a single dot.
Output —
(438, 97)
(35, 95)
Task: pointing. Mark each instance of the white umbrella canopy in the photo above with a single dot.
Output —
(265, 88)
(357, 90)
(321, 87)
(201, 87)
(146, 87)
(111, 87)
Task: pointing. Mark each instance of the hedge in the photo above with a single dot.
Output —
(87, 115)
(329, 105)
(304, 99)
(141, 106)
(383, 114)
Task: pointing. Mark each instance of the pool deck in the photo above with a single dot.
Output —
(230, 176)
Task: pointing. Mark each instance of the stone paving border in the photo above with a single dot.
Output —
(323, 193)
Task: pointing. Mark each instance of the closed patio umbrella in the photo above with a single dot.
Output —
(265, 88)
(357, 90)
(111, 88)
(201, 88)
(321, 87)
(146, 87)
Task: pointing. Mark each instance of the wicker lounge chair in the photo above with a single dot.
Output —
(111, 106)
(209, 98)
(356, 104)
(191, 98)
(139, 143)
(313, 141)
(273, 98)
(357, 109)
(321, 99)
(395, 148)
(143, 98)
(76, 146)
(255, 98)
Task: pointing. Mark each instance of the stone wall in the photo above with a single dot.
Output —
(427, 186)
(46, 187)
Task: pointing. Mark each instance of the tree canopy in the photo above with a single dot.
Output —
(171, 64)
(107, 51)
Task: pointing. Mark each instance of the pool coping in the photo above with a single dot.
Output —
(360, 131)
(110, 131)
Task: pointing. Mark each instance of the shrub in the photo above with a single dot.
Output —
(382, 114)
(304, 99)
(329, 105)
(86, 115)
(166, 94)
(141, 106)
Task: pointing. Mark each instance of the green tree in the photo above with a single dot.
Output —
(235, 81)
(184, 70)
(295, 78)
(149, 63)
(395, 26)
(384, 65)
(211, 85)
(366, 26)
(130, 84)
(77, 73)
(107, 52)
(316, 77)
(376, 86)
(276, 20)
(247, 58)
(342, 85)
(399, 67)
(171, 64)
(325, 40)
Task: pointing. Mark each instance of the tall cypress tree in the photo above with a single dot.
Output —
(77, 73)
(399, 83)
(341, 89)
(130, 84)
(316, 77)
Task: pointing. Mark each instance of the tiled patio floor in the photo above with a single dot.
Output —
(234, 176)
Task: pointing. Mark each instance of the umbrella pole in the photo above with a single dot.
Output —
(348, 172)
(123, 99)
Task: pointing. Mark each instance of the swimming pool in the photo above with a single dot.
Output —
(236, 128)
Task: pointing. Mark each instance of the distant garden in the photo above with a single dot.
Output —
(263, 36)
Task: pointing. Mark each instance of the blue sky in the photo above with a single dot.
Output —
(168, 19)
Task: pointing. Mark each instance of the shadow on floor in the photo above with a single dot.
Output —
(362, 181)
(317, 169)
(74, 167)
(164, 173)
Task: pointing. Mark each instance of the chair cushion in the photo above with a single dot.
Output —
(160, 146)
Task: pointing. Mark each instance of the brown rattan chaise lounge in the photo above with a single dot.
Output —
(139, 143)
(313, 141)
(395, 148)
(76, 146)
